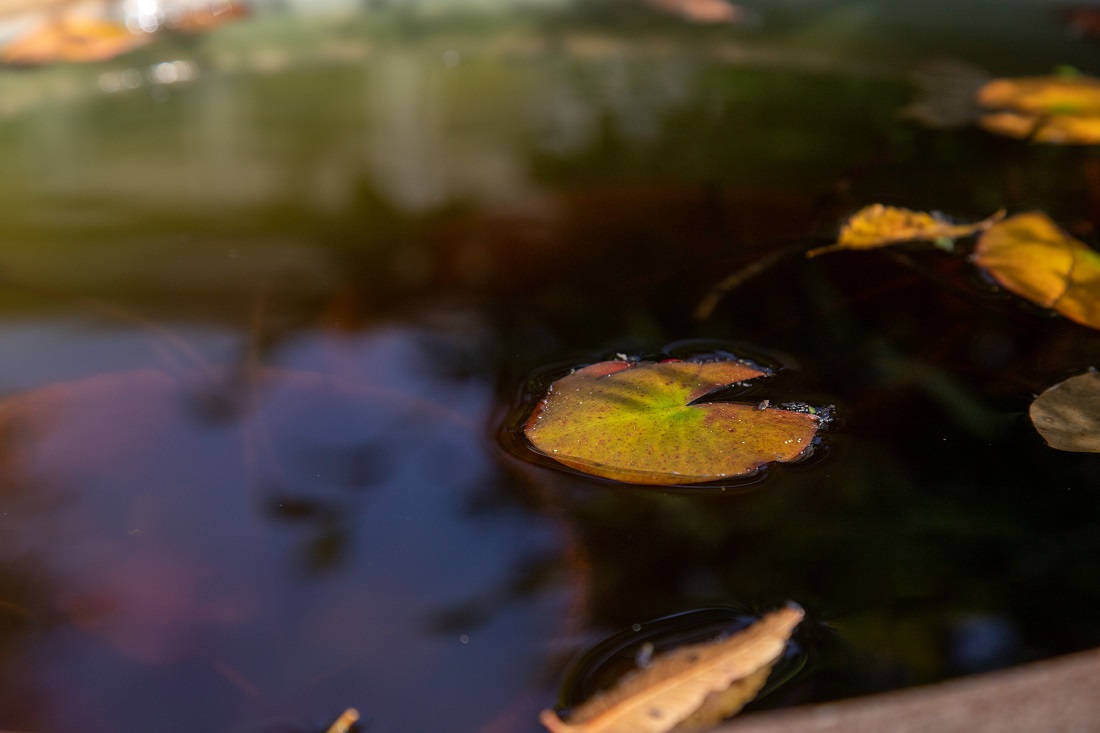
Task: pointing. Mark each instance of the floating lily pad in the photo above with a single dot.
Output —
(1030, 256)
(877, 226)
(640, 422)
(1068, 414)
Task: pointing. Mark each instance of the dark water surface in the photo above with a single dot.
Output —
(261, 328)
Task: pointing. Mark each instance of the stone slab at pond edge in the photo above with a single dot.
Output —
(1060, 695)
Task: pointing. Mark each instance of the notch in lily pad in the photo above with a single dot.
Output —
(658, 423)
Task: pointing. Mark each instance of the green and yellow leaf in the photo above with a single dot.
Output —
(637, 422)
(1062, 110)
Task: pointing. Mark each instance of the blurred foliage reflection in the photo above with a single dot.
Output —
(268, 293)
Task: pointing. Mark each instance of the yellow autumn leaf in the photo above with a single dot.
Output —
(1063, 110)
(1058, 130)
(880, 226)
(1010, 124)
(664, 695)
(1043, 95)
(1068, 130)
(1027, 254)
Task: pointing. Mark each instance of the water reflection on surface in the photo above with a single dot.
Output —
(280, 558)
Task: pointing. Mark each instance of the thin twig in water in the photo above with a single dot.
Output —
(711, 299)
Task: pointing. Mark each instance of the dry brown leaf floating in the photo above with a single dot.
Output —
(877, 226)
(1068, 414)
(677, 684)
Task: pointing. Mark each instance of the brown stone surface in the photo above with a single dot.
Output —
(1054, 696)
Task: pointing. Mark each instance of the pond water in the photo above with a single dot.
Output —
(270, 312)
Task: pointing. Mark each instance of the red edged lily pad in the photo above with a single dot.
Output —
(639, 422)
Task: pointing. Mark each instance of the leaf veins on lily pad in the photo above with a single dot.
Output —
(877, 226)
(669, 694)
(1027, 254)
(640, 422)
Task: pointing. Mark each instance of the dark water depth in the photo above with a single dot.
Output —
(266, 331)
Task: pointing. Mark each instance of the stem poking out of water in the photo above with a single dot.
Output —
(344, 723)
(711, 299)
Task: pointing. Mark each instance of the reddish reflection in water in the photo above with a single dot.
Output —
(260, 553)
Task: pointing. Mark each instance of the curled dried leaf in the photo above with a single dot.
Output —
(677, 684)
(877, 226)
